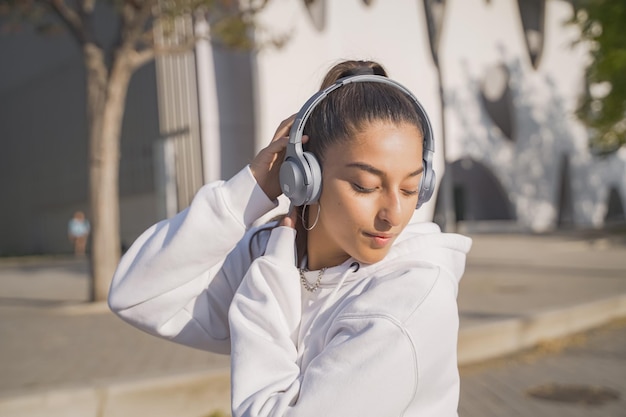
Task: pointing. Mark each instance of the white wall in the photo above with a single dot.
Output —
(389, 32)
(478, 37)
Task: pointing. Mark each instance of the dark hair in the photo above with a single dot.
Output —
(348, 110)
(348, 68)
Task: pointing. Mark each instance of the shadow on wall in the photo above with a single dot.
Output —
(517, 142)
(615, 213)
(480, 202)
(478, 195)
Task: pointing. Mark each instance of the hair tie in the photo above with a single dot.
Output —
(363, 71)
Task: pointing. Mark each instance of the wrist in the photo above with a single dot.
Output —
(245, 197)
(270, 188)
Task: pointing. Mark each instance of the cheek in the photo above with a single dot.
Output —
(409, 209)
(341, 206)
(337, 209)
(350, 215)
(340, 196)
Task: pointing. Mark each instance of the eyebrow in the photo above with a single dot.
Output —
(378, 172)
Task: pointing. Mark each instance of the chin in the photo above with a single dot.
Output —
(371, 258)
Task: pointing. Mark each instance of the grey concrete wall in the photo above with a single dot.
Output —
(43, 145)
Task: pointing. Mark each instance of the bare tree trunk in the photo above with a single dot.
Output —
(106, 97)
(107, 86)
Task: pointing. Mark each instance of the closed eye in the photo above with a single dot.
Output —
(356, 187)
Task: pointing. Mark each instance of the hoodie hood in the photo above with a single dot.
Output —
(420, 243)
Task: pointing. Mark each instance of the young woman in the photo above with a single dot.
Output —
(345, 306)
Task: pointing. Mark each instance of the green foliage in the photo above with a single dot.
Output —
(602, 107)
(15, 13)
(232, 25)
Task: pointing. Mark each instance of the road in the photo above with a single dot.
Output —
(582, 375)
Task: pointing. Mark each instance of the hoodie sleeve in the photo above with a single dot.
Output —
(178, 278)
(264, 320)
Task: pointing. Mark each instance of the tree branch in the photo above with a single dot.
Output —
(135, 16)
(256, 9)
(185, 46)
(88, 6)
(140, 37)
(69, 17)
(140, 58)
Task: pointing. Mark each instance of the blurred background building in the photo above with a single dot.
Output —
(500, 80)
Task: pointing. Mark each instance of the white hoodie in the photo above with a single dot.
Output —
(374, 340)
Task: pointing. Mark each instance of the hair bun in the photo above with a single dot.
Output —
(350, 68)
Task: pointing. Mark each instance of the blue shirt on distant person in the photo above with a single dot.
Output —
(78, 228)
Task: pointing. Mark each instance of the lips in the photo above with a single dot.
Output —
(380, 239)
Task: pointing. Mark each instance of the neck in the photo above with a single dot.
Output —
(313, 243)
(318, 256)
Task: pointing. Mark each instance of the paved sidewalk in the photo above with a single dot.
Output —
(583, 375)
(59, 353)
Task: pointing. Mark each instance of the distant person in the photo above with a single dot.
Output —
(78, 230)
(346, 306)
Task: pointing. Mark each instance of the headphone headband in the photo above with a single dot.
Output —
(301, 179)
(297, 129)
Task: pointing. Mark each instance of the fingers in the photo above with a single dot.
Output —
(266, 164)
(290, 218)
(278, 144)
(275, 150)
(284, 127)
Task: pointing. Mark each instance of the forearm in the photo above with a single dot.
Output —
(180, 262)
(264, 320)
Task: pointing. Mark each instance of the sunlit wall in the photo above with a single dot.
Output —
(510, 76)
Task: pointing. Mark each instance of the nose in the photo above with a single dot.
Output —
(390, 210)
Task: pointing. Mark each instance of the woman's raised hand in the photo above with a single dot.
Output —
(266, 164)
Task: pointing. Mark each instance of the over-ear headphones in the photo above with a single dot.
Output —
(300, 172)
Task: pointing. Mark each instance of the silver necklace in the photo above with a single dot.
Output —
(305, 283)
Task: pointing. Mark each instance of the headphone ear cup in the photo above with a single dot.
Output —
(291, 177)
(314, 188)
(427, 185)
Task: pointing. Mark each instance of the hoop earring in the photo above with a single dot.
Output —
(302, 217)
